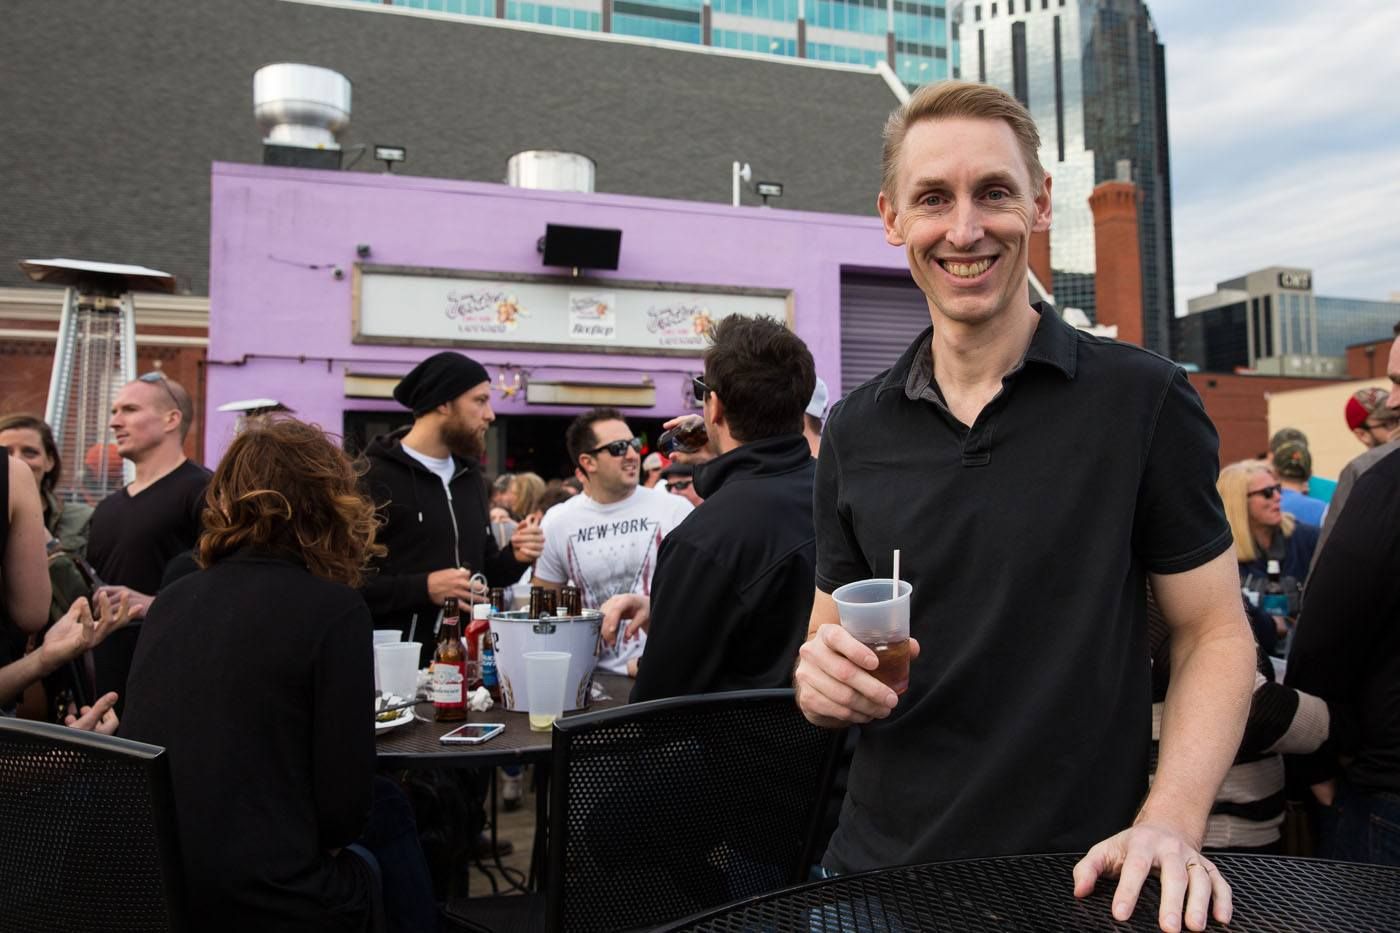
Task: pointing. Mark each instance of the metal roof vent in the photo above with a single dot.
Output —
(550, 170)
(302, 106)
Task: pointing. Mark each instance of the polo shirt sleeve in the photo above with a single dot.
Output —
(839, 556)
(1180, 523)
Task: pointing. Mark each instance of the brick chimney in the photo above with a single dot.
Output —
(1040, 259)
(1117, 261)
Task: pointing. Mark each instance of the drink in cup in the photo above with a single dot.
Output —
(878, 619)
(546, 681)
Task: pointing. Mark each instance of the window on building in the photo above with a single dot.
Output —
(994, 11)
(977, 13)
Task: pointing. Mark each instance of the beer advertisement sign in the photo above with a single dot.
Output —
(398, 305)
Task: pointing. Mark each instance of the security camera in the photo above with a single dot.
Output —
(362, 250)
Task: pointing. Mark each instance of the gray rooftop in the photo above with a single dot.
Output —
(112, 113)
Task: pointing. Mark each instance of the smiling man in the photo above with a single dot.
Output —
(1035, 478)
(606, 539)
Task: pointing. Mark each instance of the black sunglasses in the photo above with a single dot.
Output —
(619, 448)
(678, 485)
(157, 377)
(697, 385)
(1268, 492)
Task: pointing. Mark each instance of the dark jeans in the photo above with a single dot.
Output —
(1360, 827)
(391, 838)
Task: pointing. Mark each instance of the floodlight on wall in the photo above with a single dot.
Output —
(389, 155)
(768, 189)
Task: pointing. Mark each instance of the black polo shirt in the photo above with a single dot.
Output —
(1027, 539)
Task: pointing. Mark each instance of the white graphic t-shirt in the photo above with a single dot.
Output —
(609, 549)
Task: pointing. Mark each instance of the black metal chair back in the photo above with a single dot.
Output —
(87, 833)
(661, 808)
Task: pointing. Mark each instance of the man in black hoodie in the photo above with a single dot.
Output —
(426, 481)
(733, 585)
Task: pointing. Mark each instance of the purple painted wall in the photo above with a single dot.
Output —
(276, 236)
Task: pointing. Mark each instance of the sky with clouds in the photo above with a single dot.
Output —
(1284, 123)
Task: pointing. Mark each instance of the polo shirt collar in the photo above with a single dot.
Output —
(1054, 343)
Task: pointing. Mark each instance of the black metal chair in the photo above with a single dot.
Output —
(661, 808)
(87, 833)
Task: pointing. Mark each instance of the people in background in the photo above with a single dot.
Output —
(1292, 463)
(1376, 414)
(605, 541)
(652, 465)
(731, 595)
(24, 576)
(256, 676)
(1347, 652)
(1262, 531)
(680, 481)
(426, 482)
(29, 438)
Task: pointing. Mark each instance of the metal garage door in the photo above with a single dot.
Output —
(880, 317)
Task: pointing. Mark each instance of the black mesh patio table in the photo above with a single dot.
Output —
(1272, 894)
(416, 745)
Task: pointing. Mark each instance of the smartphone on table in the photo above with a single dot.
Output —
(473, 733)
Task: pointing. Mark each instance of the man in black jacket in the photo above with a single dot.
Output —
(733, 584)
(427, 483)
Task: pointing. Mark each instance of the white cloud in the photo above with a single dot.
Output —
(1335, 215)
(1285, 140)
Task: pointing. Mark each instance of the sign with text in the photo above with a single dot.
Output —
(419, 306)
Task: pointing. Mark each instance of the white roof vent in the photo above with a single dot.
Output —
(550, 170)
(301, 105)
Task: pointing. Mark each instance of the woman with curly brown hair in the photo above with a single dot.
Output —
(256, 674)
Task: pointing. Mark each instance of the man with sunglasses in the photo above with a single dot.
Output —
(137, 530)
(680, 481)
(606, 539)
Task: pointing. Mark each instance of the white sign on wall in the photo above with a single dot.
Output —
(398, 305)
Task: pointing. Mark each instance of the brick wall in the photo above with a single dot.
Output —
(1239, 408)
(1117, 259)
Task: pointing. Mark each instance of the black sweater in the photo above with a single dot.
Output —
(258, 679)
(1346, 649)
(423, 534)
(732, 593)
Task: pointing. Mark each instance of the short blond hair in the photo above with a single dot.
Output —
(1233, 486)
(944, 100)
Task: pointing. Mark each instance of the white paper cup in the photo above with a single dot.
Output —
(546, 681)
(387, 636)
(397, 666)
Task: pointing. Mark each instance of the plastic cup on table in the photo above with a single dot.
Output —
(397, 668)
(877, 619)
(387, 636)
(546, 680)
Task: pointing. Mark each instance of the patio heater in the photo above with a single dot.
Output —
(94, 356)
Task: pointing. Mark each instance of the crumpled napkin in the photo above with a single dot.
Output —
(479, 700)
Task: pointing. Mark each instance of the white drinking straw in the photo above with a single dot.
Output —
(895, 595)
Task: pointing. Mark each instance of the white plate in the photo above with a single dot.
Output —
(405, 715)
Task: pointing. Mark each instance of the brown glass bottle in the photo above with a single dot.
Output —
(687, 437)
(570, 601)
(498, 599)
(550, 606)
(536, 601)
(449, 668)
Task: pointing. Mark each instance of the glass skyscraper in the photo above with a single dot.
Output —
(914, 38)
(1093, 75)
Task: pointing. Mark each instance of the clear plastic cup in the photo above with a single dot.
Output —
(546, 681)
(879, 620)
(397, 668)
(387, 636)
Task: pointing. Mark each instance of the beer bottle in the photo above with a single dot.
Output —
(476, 633)
(550, 604)
(498, 600)
(449, 668)
(536, 601)
(570, 604)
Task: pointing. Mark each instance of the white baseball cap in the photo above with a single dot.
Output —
(817, 406)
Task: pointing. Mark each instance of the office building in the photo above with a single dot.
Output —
(913, 38)
(1270, 321)
(1092, 73)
